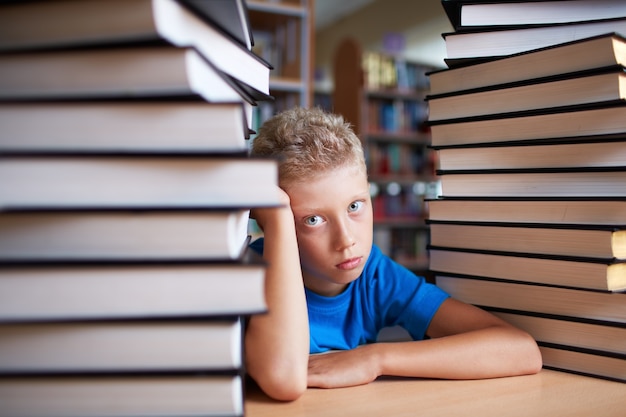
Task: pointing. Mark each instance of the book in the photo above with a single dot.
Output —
(586, 54)
(71, 291)
(587, 211)
(592, 154)
(607, 86)
(534, 183)
(603, 242)
(229, 16)
(465, 14)
(124, 126)
(118, 73)
(588, 363)
(565, 331)
(123, 346)
(564, 271)
(507, 41)
(593, 348)
(575, 303)
(104, 181)
(127, 278)
(123, 234)
(581, 124)
(127, 396)
(63, 24)
(526, 122)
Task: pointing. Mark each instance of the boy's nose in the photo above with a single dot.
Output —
(344, 238)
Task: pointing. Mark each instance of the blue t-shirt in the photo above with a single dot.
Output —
(386, 294)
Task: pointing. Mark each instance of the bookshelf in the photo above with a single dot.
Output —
(382, 96)
(283, 35)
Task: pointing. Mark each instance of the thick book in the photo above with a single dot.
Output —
(576, 303)
(147, 72)
(50, 181)
(587, 211)
(593, 348)
(62, 24)
(123, 234)
(463, 45)
(603, 242)
(574, 124)
(584, 362)
(609, 182)
(122, 346)
(572, 57)
(560, 330)
(122, 396)
(599, 87)
(74, 291)
(124, 126)
(467, 14)
(592, 154)
(564, 271)
(229, 16)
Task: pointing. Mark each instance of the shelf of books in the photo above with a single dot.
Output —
(283, 36)
(125, 278)
(531, 219)
(386, 106)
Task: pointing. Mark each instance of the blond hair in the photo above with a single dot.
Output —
(307, 143)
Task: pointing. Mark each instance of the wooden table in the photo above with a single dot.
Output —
(547, 394)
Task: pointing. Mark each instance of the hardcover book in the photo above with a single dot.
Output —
(562, 271)
(122, 395)
(207, 345)
(38, 25)
(602, 242)
(82, 291)
(470, 45)
(584, 210)
(151, 234)
(603, 51)
(569, 302)
(106, 181)
(481, 14)
(180, 126)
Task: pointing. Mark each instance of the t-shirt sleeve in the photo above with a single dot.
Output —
(257, 245)
(406, 299)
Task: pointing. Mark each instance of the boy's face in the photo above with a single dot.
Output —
(334, 226)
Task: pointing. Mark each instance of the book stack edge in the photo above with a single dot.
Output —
(530, 223)
(125, 279)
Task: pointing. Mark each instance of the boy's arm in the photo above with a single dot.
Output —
(467, 343)
(277, 343)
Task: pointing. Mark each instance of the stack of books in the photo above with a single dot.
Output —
(531, 221)
(126, 186)
(484, 30)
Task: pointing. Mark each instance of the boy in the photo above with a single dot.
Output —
(329, 289)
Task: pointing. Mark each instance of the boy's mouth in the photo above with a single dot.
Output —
(349, 264)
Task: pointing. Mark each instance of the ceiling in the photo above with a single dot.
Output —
(329, 11)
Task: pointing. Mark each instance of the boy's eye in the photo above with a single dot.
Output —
(355, 206)
(312, 220)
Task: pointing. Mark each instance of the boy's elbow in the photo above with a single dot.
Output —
(536, 362)
(281, 375)
(533, 362)
(283, 386)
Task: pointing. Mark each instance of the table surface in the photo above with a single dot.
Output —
(548, 393)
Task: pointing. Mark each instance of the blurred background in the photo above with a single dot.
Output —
(367, 60)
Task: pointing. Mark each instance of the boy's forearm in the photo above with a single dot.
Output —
(486, 353)
(277, 343)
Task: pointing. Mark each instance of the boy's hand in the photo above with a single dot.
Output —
(343, 368)
(267, 215)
